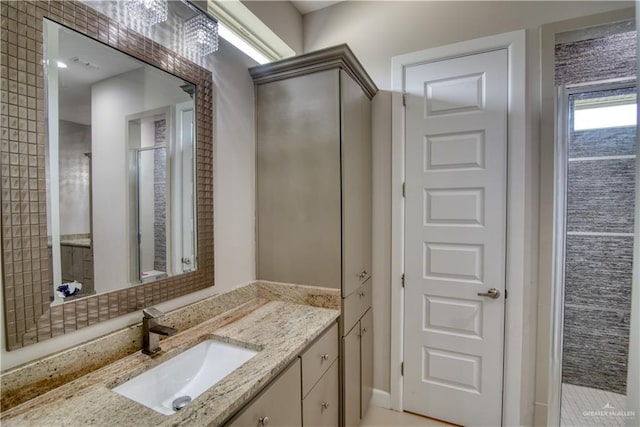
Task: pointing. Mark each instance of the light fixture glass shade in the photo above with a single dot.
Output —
(201, 35)
(146, 13)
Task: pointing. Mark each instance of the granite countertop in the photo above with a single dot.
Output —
(280, 328)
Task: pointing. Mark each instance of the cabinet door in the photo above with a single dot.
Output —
(356, 184)
(298, 180)
(279, 405)
(351, 376)
(321, 406)
(366, 360)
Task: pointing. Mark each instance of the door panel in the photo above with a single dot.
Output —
(321, 407)
(278, 405)
(366, 360)
(456, 157)
(298, 180)
(351, 387)
(356, 184)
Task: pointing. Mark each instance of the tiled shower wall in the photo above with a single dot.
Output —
(159, 198)
(599, 241)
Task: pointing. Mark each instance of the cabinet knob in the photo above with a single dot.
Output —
(364, 331)
(264, 421)
(361, 294)
(363, 274)
(325, 405)
(324, 357)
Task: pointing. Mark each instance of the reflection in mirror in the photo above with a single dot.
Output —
(120, 168)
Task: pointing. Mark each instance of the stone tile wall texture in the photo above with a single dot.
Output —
(600, 199)
(159, 198)
(601, 58)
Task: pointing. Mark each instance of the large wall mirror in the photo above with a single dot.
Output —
(106, 173)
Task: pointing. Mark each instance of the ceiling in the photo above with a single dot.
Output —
(307, 6)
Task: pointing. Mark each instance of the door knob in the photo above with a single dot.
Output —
(491, 293)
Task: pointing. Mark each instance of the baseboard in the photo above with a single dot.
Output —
(381, 398)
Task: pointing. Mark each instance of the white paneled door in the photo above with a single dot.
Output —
(455, 232)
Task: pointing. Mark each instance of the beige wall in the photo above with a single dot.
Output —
(282, 18)
(234, 168)
(377, 31)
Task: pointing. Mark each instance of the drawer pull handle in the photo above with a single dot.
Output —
(264, 421)
(324, 357)
(325, 405)
(361, 294)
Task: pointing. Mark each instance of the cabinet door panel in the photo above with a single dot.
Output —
(355, 305)
(280, 403)
(356, 184)
(351, 386)
(298, 180)
(318, 358)
(366, 360)
(321, 406)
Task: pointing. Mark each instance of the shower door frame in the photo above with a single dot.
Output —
(561, 162)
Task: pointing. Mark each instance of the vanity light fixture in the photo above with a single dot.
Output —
(146, 13)
(200, 34)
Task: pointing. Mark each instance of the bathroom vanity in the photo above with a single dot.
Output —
(293, 329)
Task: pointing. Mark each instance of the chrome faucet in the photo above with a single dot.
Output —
(151, 330)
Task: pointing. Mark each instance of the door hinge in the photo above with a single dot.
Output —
(402, 279)
(402, 369)
(404, 189)
(404, 99)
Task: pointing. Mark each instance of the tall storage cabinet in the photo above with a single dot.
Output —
(313, 219)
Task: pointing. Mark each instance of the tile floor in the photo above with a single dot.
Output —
(380, 417)
(576, 400)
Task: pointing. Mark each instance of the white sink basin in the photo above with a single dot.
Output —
(188, 374)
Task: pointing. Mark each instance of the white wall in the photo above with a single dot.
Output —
(234, 157)
(74, 141)
(377, 31)
(234, 166)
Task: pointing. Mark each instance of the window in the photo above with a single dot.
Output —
(605, 112)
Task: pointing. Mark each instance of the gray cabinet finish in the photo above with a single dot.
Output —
(314, 192)
(298, 185)
(355, 305)
(317, 359)
(321, 407)
(356, 185)
(366, 361)
(278, 405)
(351, 376)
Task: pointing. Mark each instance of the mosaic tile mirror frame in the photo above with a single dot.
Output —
(26, 278)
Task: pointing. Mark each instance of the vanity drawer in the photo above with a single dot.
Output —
(321, 406)
(276, 405)
(355, 305)
(318, 358)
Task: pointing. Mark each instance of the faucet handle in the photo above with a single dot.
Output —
(151, 313)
